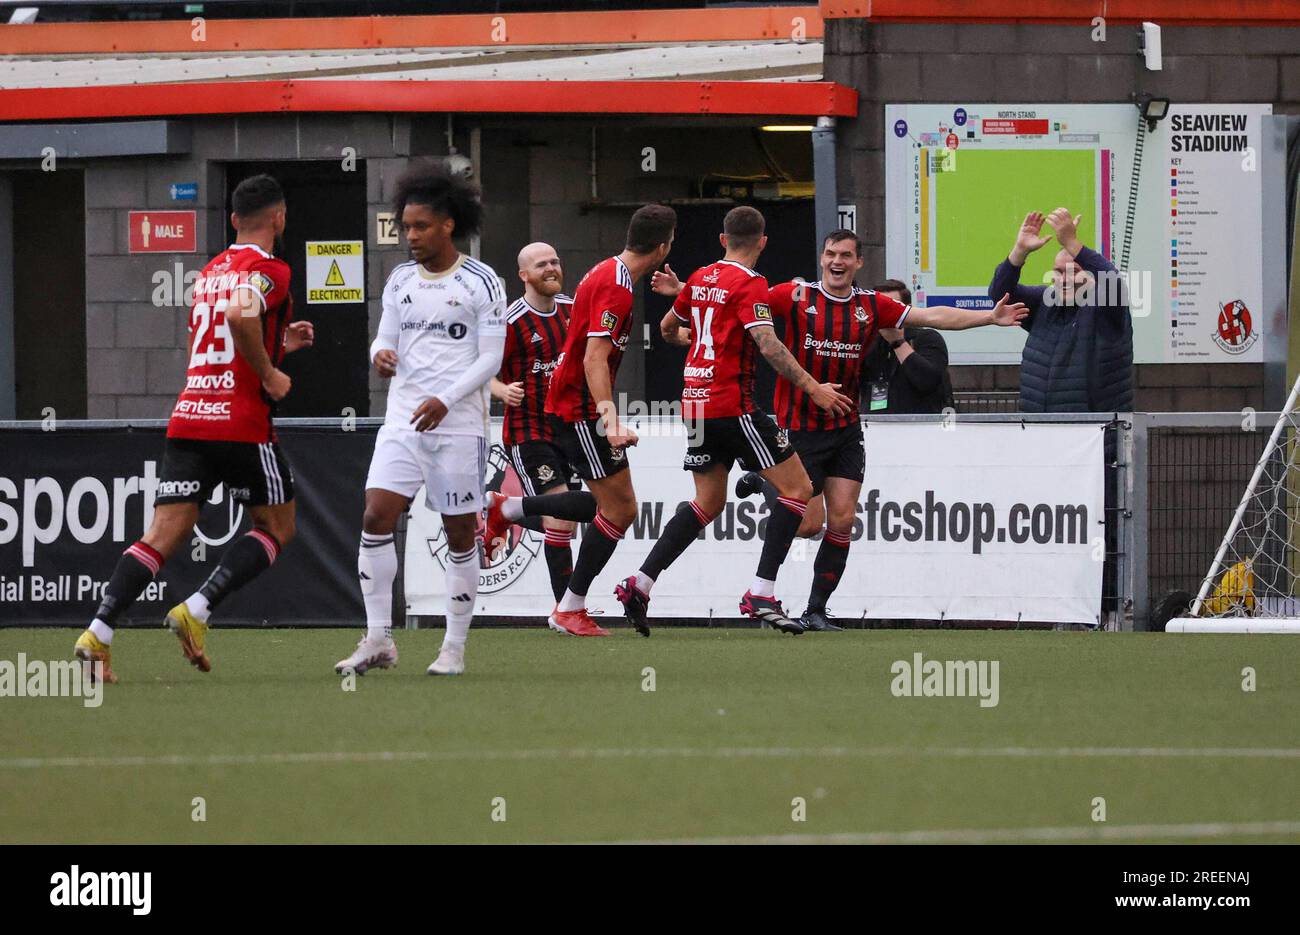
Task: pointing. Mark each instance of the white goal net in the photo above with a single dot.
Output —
(1253, 584)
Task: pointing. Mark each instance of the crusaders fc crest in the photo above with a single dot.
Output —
(1235, 332)
(522, 545)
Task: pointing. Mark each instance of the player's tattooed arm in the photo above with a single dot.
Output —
(826, 396)
(674, 330)
(244, 317)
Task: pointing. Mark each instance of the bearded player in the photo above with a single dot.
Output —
(441, 339)
(829, 326)
(587, 425)
(723, 315)
(220, 430)
(535, 328)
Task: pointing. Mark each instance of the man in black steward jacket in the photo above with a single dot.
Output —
(906, 370)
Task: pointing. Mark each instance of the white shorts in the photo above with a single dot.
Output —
(449, 467)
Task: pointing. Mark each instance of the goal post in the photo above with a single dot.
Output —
(1253, 584)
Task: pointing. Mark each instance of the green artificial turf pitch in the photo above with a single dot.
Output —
(557, 734)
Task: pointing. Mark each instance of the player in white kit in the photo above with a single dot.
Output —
(441, 339)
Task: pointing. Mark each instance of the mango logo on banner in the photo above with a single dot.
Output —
(336, 271)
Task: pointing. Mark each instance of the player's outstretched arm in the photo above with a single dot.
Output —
(1005, 314)
(825, 395)
(244, 317)
(674, 331)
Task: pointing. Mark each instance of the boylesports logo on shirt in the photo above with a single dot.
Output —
(828, 348)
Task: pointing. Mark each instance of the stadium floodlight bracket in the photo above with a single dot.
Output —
(1153, 109)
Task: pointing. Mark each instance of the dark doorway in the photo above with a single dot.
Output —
(49, 289)
(790, 244)
(324, 202)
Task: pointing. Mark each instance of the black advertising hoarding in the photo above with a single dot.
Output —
(72, 499)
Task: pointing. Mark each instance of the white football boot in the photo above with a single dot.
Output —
(372, 652)
(450, 661)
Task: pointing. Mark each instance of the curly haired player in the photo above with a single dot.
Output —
(441, 339)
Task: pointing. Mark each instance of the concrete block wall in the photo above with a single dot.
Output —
(906, 63)
(136, 323)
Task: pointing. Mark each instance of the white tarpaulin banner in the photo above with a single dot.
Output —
(966, 521)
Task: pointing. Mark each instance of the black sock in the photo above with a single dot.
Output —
(828, 568)
(598, 546)
(134, 570)
(782, 526)
(769, 493)
(578, 506)
(535, 523)
(559, 559)
(243, 561)
(680, 532)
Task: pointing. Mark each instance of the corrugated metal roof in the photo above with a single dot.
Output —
(728, 61)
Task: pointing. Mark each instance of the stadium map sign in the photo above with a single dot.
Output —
(961, 177)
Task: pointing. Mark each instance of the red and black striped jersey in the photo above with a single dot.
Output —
(223, 399)
(829, 337)
(602, 308)
(534, 342)
(719, 304)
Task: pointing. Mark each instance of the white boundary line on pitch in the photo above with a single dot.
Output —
(616, 753)
(1008, 835)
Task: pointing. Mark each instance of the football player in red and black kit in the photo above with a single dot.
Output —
(723, 314)
(535, 329)
(587, 426)
(828, 326)
(220, 430)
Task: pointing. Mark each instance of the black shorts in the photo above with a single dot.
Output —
(831, 453)
(254, 474)
(752, 439)
(540, 466)
(585, 446)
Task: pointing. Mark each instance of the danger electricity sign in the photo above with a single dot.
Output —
(336, 271)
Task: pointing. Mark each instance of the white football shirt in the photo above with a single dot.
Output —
(441, 326)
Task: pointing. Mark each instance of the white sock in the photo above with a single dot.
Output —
(376, 569)
(513, 509)
(763, 588)
(570, 602)
(462, 589)
(103, 632)
(644, 582)
(198, 605)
